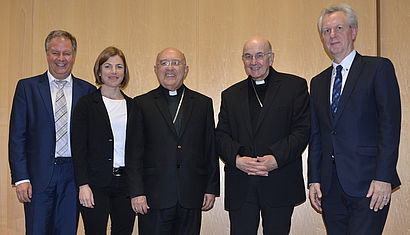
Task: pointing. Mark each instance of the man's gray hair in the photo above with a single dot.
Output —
(348, 10)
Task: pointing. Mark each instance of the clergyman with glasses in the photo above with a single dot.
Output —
(173, 167)
(263, 128)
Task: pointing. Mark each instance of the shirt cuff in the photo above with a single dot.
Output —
(22, 181)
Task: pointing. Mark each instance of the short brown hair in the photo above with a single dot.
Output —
(103, 57)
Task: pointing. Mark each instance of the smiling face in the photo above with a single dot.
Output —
(171, 68)
(60, 57)
(338, 37)
(257, 57)
(112, 72)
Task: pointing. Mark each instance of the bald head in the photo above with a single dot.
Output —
(171, 52)
(257, 57)
(258, 41)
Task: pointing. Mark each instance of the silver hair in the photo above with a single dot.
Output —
(348, 10)
(64, 34)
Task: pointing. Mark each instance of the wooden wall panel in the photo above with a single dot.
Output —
(395, 38)
(16, 45)
(6, 193)
(211, 33)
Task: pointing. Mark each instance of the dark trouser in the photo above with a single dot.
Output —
(171, 221)
(54, 211)
(113, 201)
(245, 221)
(344, 214)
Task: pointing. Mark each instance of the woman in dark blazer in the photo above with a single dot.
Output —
(99, 126)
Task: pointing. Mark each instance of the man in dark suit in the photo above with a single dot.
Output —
(356, 115)
(39, 141)
(263, 128)
(173, 168)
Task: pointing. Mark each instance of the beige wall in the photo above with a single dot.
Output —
(395, 38)
(211, 33)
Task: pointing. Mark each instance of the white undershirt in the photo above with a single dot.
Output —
(117, 112)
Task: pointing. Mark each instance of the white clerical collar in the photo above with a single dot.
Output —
(260, 82)
(173, 93)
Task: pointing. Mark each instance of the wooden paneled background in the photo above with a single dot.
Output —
(211, 33)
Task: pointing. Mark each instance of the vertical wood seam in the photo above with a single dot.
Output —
(378, 28)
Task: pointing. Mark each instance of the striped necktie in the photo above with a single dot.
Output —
(337, 87)
(61, 119)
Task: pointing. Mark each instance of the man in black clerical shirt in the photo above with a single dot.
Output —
(173, 167)
(263, 128)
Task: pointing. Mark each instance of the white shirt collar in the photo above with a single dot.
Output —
(346, 62)
(52, 79)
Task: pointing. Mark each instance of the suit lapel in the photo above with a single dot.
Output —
(350, 84)
(128, 101)
(130, 108)
(244, 105)
(270, 94)
(325, 92)
(100, 108)
(76, 93)
(162, 106)
(45, 93)
(187, 107)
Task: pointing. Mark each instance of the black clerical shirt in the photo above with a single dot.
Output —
(173, 102)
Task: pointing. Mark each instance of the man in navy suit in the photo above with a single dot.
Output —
(39, 152)
(356, 116)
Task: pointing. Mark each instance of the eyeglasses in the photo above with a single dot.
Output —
(258, 56)
(174, 63)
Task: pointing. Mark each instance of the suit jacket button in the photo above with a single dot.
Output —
(109, 159)
(109, 140)
(333, 132)
(179, 147)
(178, 166)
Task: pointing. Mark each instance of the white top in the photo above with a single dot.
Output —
(68, 93)
(346, 64)
(117, 112)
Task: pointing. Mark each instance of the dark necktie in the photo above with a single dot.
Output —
(337, 87)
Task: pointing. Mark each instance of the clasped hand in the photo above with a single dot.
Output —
(256, 166)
